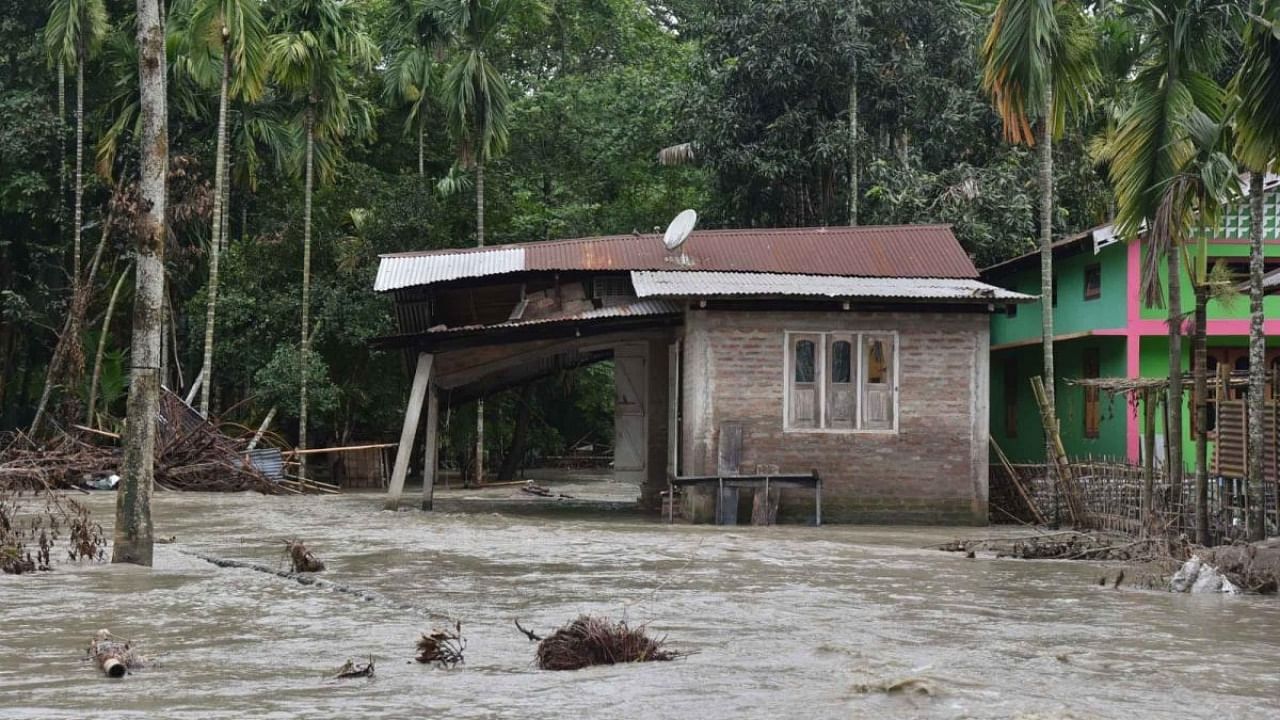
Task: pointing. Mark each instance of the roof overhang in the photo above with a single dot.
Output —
(695, 284)
(639, 315)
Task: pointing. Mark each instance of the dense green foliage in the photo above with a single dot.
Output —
(760, 89)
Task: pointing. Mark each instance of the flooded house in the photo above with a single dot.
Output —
(857, 355)
(1104, 329)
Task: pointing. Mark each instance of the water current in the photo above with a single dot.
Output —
(781, 622)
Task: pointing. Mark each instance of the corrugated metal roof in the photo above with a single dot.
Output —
(869, 251)
(639, 308)
(409, 270)
(702, 284)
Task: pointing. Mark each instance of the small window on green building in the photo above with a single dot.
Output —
(1011, 398)
(1092, 411)
(1092, 281)
(1011, 310)
(1055, 291)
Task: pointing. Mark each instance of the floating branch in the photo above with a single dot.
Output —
(533, 637)
(591, 641)
(442, 647)
(351, 669)
(309, 579)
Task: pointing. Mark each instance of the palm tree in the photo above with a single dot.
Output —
(420, 41)
(233, 30)
(1183, 45)
(73, 35)
(133, 529)
(1190, 207)
(317, 46)
(1038, 66)
(1256, 88)
(474, 93)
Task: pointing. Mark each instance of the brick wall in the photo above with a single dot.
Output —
(932, 470)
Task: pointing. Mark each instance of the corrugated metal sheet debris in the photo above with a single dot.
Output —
(702, 284)
(639, 308)
(868, 251)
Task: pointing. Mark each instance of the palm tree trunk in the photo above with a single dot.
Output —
(62, 148)
(215, 237)
(1257, 362)
(422, 158)
(102, 346)
(306, 288)
(133, 529)
(1046, 273)
(480, 402)
(78, 217)
(853, 152)
(1199, 399)
(480, 203)
(1173, 430)
(853, 119)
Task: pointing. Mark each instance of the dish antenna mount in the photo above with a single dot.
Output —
(679, 229)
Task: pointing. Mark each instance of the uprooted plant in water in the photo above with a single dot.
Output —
(33, 519)
(591, 641)
(442, 647)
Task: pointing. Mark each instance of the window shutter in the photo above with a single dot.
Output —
(804, 367)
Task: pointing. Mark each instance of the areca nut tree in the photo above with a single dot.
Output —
(476, 104)
(74, 34)
(1189, 210)
(474, 93)
(1256, 92)
(1183, 44)
(410, 76)
(1037, 66)
(317, 47)
(234, 31)
(132, 541)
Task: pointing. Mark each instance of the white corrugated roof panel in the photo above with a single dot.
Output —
(664, 283)
(401, 271)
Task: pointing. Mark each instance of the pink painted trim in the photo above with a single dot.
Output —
(1216, 327)
(1133, 343)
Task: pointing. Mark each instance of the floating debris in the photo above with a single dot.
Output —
(302, 559)
(442, 647)
(591, 641)
(351, 669)
(115, 657)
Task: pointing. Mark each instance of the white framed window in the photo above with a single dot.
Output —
(840, 381)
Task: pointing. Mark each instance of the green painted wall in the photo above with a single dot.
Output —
(1073, 314)
(1154, 362)
(1234, 231)
(1027, 444)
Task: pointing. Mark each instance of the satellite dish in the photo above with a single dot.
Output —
(679, 229)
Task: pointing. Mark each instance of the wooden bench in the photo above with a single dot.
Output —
(764, 483)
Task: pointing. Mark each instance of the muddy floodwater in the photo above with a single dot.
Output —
(782, 622)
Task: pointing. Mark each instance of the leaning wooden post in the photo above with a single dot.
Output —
(412, 411)
(1149, 404)
(430, 450)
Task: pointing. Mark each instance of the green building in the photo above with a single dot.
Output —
(1103, 329)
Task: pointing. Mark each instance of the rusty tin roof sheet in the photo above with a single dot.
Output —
(919, 251)
(703, 284)
(639, 308)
